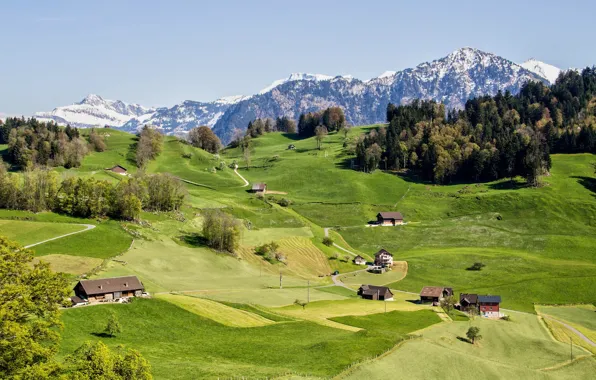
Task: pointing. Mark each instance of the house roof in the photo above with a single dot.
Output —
(489, 299)
(359, 258)
(76, 300)
(432, 291)
(469, 298)
(110, 285)
(370, 290)
(117, 166)
(383, 252)
(390, 215)
(259, 186)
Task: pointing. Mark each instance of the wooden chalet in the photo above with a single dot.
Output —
(383, 258)
(488, 306)
(259, 188)
(390, 218)
(372, 292)
(109, 288)
(434, 294)
(359, 260)
(118, 169)
(468, 301)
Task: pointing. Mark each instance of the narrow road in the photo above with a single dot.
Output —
(241, 177)
(338, 282)
(584, 338)
(88, 227)
(326, 229)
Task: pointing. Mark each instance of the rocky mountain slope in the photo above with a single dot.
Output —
(463, 74)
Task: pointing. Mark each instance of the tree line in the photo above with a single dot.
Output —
(493, 137)
(332, 119)
(259, 127)
(32, 143)
(40, 190)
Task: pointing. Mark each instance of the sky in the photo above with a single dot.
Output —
(159, 53)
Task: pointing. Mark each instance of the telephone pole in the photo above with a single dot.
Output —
(280, 277)
(308, 292)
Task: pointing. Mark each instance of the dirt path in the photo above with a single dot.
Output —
(241, 177)
(582, 336)
(88, 227)
(338, 282)
(326, 229)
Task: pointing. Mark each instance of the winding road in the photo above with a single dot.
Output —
(241, 177)
(582, 336)
(88, 227)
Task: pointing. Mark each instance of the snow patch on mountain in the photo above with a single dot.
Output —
(296, 77)
(545, 70)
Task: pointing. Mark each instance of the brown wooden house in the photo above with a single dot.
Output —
(118, 169)
(383, 258)
(390, 218)
(259, 188)
(109, 288)
(372, 292)
(468, 301)
(434, 294)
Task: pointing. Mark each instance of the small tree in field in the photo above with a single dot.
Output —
(448, 304)
(301, 303)
(113, 327)
(473, 334)
(327, 241)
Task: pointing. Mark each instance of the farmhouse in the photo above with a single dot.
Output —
(118, 169)
(259, 188)
(489, 306)
(468, 301)
(359, 260)
(434, 293)
(372, 292)
(109, 288)
(390, 218)
(383, 258)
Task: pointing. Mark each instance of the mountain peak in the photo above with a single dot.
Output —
(92, 99)
(545, 70)
(296, 77)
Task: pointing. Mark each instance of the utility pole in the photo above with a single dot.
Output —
(280, 277)
(308, 291)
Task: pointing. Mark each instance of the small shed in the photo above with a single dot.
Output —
(372, 292)
(434, 293)
(291, 147)
(359, 260)
(390, 218)
(259, 188)
(118, 169)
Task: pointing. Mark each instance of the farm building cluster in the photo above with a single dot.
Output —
(484, 305)
(107, 290)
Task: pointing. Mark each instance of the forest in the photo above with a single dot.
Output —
(501, 136)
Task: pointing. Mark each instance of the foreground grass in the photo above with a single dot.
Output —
(518, 349)
(182, 345)
(26, 232)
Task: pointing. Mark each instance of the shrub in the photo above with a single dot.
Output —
(506, 318)
(327, 241)
(187, 155)
(284, 202)
(476, 266)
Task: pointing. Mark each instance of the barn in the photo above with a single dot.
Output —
(118, 169)
(434, 294)
(372, 292)
(109, 288)
(390, 218)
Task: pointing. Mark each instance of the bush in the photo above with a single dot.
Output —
(284, 202)
(327, 241)
(506, 318)
(187, 155)
(476, 266)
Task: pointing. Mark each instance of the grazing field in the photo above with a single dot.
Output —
(75, 265)
(26, 232)
(521, 348)
(392, 322)
(266, 235)
(397, 273)
(217, 312)
(580, 317)
(182, 345)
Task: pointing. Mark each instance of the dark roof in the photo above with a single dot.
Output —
(470, 298)
(433, 291)
(117, 166)
(359, 258)
(259, 186)
(76, 300)
(390, 215)
(382, 251)
(370, 290)
(110, 285)
(489, 299)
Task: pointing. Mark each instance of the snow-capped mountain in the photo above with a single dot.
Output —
(463, 74)
(454, 79)
(94, 110)
(550, 72)
(182, 117)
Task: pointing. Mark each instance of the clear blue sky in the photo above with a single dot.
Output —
(163, 52)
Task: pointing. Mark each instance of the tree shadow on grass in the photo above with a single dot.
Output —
(292, 136)
(131, 154)
(102, 335)
(465, 340)
(193, 240)
(508, 185)
(587, 182)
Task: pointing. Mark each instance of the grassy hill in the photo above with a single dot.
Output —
(537, 245)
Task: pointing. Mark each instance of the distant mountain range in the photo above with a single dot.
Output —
(463, 74)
